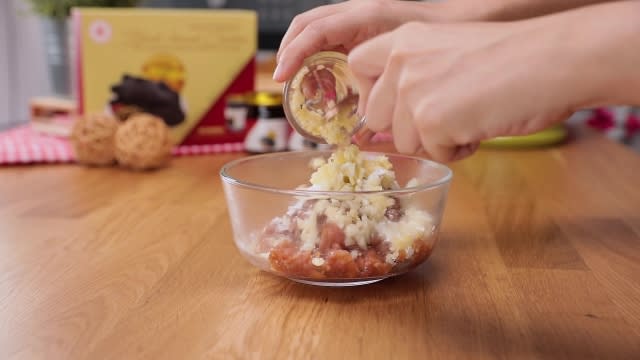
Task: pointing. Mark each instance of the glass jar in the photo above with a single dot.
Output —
(321, 99)
(271, 131)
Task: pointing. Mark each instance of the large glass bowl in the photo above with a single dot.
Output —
(261, 190)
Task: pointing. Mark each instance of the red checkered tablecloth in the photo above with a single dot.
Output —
(22, 145)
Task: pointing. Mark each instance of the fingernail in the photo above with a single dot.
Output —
(276, 73)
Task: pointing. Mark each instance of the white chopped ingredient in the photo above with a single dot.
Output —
(412, 183)
(317, 163)
(415, 224)
(317, 261)
(361, 217)
(409, 251)
(391, 258)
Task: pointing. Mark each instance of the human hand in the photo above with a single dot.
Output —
(342, 26)
(444, 88)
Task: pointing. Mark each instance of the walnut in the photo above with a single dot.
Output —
(92, 139)
(143, 142)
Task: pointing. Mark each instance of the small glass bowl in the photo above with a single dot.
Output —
(258, 196)
(338, 66)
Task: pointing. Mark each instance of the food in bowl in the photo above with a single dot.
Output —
(351, 236)
(357, 218)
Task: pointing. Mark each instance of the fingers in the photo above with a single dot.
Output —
(301, 21)
(437, 152)
(328, 32)
(405, 136)
(364, 88)
(465, 151)
(367, 63)
(378, 69)
(381, 103)
(438, 148)
(370, 58)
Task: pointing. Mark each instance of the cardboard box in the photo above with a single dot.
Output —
(177, 64)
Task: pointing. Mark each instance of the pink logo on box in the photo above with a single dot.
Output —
(100, 31)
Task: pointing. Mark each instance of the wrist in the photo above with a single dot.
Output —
(425, 11)
(604, 55)
(457, 11)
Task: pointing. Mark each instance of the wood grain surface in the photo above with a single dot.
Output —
(539, 258)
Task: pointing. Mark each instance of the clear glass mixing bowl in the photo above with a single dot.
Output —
(266, 207)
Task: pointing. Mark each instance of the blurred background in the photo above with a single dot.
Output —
(29, 44)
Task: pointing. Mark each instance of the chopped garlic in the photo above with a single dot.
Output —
(348, 170)
(360, 216)
(415, 224)
(412, 183)
(316, 163)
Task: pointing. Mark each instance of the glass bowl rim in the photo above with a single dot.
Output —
(227, 178)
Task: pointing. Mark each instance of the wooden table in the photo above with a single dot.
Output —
(539, 258)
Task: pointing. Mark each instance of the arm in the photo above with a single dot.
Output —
(606, 37)
(507, 10)
(344, 25)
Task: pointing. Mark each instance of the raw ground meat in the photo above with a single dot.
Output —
(337, 260)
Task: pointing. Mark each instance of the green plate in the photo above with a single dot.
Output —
(550, 136)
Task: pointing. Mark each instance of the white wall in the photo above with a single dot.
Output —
(23, 72)
(4, 66)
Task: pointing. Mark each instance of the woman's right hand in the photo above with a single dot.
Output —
(342, 26)
(441, 89)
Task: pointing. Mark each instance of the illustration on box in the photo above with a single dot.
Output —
(156, 91)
